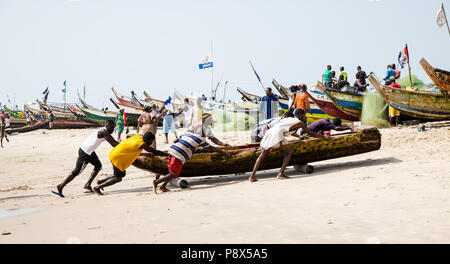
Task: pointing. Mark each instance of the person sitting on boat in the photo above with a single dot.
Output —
(268, 107)
(133, 98)
(324, 125)
(206, 123)
(326, 77)
(397, 71)
(361, 75)
(393, 83)
(343, 73)
(334, 80)
(86, 154)
(260, 129)
(182, 151)
(121, 122)
(342, 83)
(275, 138)
(124, 154)
(389, 73)
(301, 99)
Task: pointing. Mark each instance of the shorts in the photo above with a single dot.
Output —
(168, 123)
(84, 159)
(118, 172)
(393, 112)
(175, 166)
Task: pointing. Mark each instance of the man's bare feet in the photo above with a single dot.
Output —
(282, 177)
(252, 179)
(88, 188)
(97, 191)
(164, 189)
(154, 187)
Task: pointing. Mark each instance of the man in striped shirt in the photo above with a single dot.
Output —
(182, 151)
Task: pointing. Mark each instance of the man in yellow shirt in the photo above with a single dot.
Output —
(124, 154)
(301, 99)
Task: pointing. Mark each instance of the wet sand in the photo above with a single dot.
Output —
(398, 194)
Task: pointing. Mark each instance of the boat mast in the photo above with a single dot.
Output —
(224, 90)
(445, 16)
(212, 72)
(409, 67)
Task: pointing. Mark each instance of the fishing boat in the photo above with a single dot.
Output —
(285, 92)
(347, 102)
(127, 101)
(440, 77)
(100, 116)
(207, 105)
(417, 104)
(317, 113)
(152, 101)
(242, 159)
(59, 113)
(14, 114)
(283, 103)
(40, 124)
(328, 107)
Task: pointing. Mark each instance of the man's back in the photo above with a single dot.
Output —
(301, 101)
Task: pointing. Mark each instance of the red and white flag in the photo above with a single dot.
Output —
(403, 57)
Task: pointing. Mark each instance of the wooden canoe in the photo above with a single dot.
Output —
(417, 104)
(40, 124)
(329, 107)
(440, 77)
(349, 103)
(364, 139)
(14, 114)
(128, 101)
(285, 92)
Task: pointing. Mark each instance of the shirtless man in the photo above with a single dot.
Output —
(86, 154)
(147, 122)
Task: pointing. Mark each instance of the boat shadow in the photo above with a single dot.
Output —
(215, 181)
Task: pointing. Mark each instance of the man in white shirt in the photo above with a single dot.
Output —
(86, 154)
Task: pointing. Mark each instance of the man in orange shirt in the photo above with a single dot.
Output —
(301, 99)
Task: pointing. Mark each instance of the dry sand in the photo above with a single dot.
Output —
(399, 194)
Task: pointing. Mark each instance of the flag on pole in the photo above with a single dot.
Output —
(441, 20)
(45, 93)
(257, 76)
(403, 57)
(205, 63)
(84, 92)
(64, 90)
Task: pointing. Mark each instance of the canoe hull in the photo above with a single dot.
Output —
(417, 104)
(243, 157)
(350, 104)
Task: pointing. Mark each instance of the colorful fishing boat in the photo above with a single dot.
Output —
(14, 114)
(417, 104)
(127, 101)
(347, 102)
(440, 77)
(242, 159)
(100, 117)
(329, 107)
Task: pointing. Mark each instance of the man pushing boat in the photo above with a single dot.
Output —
(182, 151)
(275, 137)
(124, 154)
(86, 154)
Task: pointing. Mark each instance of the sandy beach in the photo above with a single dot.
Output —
(398, 194)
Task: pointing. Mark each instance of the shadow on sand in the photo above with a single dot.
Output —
(215, 181)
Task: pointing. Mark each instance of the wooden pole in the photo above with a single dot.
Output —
(445, 16)
(212, 72)
(409, 67)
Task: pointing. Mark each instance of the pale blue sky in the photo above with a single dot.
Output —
(156, 45)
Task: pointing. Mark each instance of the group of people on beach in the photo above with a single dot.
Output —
(124, 153)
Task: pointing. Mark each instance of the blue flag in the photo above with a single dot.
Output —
(205, 65)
